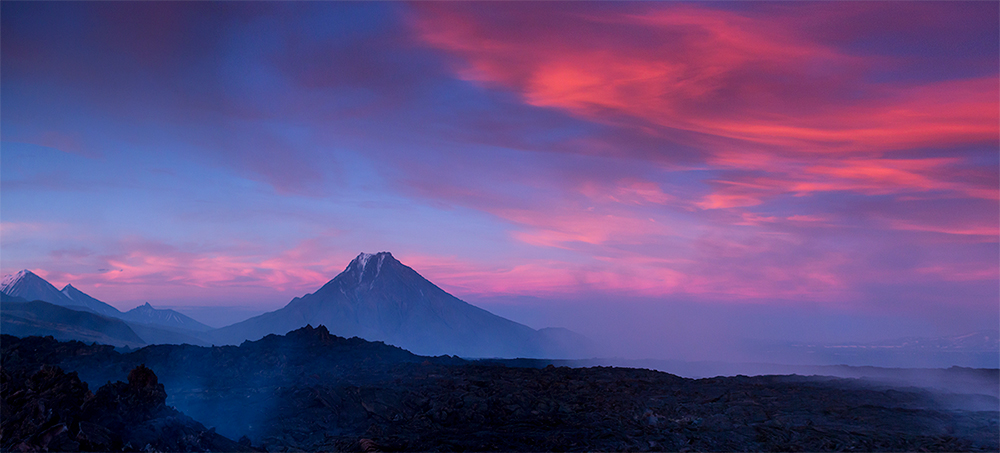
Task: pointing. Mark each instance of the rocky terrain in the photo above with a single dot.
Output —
(50, 410)
(310, 390)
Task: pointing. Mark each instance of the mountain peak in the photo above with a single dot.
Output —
(146, 314)
(10, 279)
(144, 308)
(29, 286)
(69, 291)
(363, 259)
(23, 279)
(360, 264)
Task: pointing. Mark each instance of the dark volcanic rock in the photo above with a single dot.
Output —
(39, 409)
(553, 409)
(314, 391)
(50, 410)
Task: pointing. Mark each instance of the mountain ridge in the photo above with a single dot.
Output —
(163, 317)
(90, 302)
(29, 286)
(159, 326)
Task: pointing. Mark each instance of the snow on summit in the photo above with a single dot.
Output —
(360, 264)
(363, 258)
(10, 279)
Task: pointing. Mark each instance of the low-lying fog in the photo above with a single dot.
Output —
(708, 339)
(755, 333)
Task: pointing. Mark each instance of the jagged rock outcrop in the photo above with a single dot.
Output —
(50, 410)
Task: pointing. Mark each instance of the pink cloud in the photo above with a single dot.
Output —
(782, 108)
(628, 191)
(586, 226)
(543, 277)
(868, 176)
(989, 233)
(11, 230)
(961, 273)
(157, 271)
(809, 218)
(749, 218)
(728, 200)
(644, 276)
(709, 71)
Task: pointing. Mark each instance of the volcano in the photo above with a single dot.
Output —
(379, 298)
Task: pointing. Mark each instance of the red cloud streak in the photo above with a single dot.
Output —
(705, 70)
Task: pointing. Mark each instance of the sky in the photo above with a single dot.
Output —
(794, 169)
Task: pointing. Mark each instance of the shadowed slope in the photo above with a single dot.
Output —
(42, 318)
(91, 303)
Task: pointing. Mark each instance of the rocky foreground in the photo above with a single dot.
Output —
(313, 391)
(50, 410)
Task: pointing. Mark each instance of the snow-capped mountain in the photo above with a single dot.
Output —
(146, 314)
(28, 286)
(378, 298)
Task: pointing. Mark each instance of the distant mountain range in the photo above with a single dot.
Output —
(376, 298)
(146, 314)
(155, 325)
